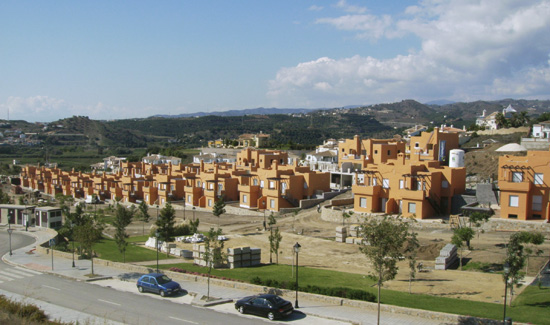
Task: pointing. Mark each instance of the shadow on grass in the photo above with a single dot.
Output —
(539, 304)
(426, 280)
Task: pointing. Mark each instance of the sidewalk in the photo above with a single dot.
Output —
(28, 258)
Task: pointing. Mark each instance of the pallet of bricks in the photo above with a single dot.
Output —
(243, 257)
(341, 234)
(447, 257)
(198, 255)
(354, 235)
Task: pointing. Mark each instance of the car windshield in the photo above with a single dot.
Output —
(163, 279)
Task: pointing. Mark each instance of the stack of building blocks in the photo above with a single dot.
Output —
(198, 256)
(447, 257)
(243, 257)
(341, 234)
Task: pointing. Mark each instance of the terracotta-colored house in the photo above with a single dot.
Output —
(523, 183)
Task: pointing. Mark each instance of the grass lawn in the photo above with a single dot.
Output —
(531, 306)
(107, 249)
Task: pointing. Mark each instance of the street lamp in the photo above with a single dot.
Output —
(72, 239)
(193, 213)
(157, 247)
(184, 210)
(296, 250)
(9, 233)
(506, 274)
(265, 228)
(157, 212)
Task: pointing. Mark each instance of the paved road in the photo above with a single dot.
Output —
(106, 304)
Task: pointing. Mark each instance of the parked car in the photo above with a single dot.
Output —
(157, 283)
(270, 306)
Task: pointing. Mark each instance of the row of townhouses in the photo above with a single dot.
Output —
(259, 179)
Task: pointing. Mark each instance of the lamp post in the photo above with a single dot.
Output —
(26, 216)
(184, 210)
(157, 247)
(193, 213)
(157, 212)
(72, 239)
(296, 250)
(506, 274)
(9, 233)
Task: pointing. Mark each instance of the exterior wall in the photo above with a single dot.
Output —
(519, 194)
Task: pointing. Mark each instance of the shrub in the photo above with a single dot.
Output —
(181, 230)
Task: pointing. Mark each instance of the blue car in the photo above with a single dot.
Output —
(157, 283)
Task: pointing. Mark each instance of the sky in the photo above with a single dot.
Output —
(134, 59)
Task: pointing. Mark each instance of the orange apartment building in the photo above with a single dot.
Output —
(262, 179)
(523, 183)
(412, 179)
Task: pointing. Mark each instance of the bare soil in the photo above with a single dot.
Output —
(319, 250)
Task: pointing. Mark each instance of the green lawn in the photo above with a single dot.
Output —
(531, 306)
(107, 249)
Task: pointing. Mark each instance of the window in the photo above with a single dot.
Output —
(389, 152)
(416, 145)
(189, 198)
(512, 216)
(255, 182)
(272, 203)
(375, 152)
(209, 202)
(386, 183)
(445, 184)
(537, 203)
(412, 207)
(537, 216)
(539, 178)
(363, 202)
(245, 198)
(517, 177)
(513, 201)
(262, 184)
(401, 183)
(419, 185)
(374, 181)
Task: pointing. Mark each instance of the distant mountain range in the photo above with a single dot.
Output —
(249, 111)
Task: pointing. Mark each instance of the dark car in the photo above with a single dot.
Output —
(270, 306)
(157, 283)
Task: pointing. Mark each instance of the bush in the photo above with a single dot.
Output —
(181, 230)
(26, 311)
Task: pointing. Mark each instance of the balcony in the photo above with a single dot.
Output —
(415, 195)
(366, 190)
(514, 186)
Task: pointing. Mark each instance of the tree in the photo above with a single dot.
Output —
(144, 214)
(271, 221)
(123, 217)
(346, 215)
(477, 219)
(213, 253)
(501, 120)
(383, 244)
(411, 256)
(515, 259)
(4, 197)
(275, 243)
(165, 222)
(461, 238)
(87, 234)
(193, 226)
(218, 209)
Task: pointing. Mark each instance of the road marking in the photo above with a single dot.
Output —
(11, 275)
(109, 302)
(182, 320)
(28, 270)
(21, 272)
(45, 286)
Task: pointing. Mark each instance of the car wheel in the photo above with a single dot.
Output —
(162, 293)
(140, 288)
(271, 316)
(241, 309)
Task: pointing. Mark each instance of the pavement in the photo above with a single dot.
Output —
(123, 280)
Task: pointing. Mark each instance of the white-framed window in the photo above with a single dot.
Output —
(517, 177)
(513, 201)
(211, 186)
(146, 197)
(412, 207)
(172, 187)
(539, 178)
(261, 184)
(363, 202)
(283, 188)
(444, 184)
(386, 183)
(189, 198)
(401, 183)
(537, 203)
(162, 201)
(209, 202)
(198, 183)
(245, 198)
(271, 184)
(272, 203)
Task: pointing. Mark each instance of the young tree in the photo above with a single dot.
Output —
(87, 234)
(515, 259)
(123, 217)
(165, 222)
(271, 221)
(275, 243)
(213, 253)
(144, 214)
(346, 215)
(477, 219)
(384, 243)
(411, 256)
(461, 238)
(219, 209)
(193, 226)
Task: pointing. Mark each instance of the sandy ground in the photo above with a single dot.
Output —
(319, 250)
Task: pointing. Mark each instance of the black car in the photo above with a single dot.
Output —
(270, 306)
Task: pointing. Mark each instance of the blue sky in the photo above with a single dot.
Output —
(126, 59)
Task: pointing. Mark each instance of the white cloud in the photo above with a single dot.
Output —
(468, 50)
(342, 4)
(47, 109)
(315, 8)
